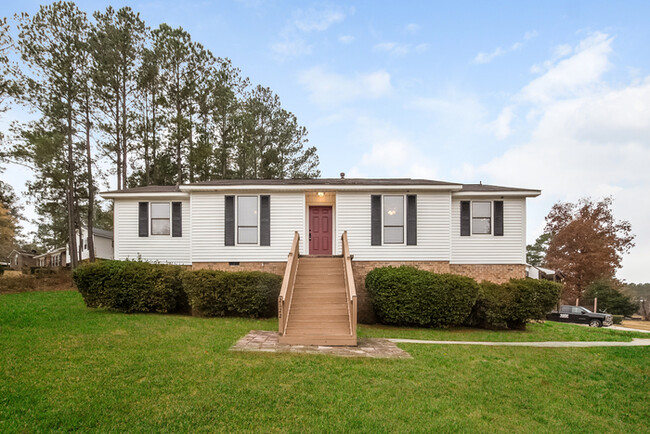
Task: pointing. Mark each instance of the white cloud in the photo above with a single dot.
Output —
(330, 89)
(346, 39)
(412, 28)
(392, 48)
(573, 74)
(292, 41)
(502, 124)
(399, 49)
(589, 138)
(314, 19)
(389, 152)
(487, 57)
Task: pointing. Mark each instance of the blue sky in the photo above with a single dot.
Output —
(549, 95)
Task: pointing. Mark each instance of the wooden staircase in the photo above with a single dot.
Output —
(317, 306)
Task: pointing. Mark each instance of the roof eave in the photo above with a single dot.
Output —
(321, 187)
(144, 195)
(510, 193)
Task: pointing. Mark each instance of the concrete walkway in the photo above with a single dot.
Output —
(558, 344)
(628, 329)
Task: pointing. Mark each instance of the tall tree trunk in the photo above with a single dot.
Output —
(91, 188)
(118, 142)
(153, 132)
(70, 198)
(124, 133)
(145, 142)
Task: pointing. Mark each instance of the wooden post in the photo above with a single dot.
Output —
(577, 301)
(595, 304)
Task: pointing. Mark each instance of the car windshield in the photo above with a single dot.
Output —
(585, 310)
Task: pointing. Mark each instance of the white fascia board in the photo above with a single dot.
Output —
(324, 187)
(152, 195)
(519, 193)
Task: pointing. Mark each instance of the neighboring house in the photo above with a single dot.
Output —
(535, 272)
(103, 241)
(19, 259)
(51, 259)
(471, 229)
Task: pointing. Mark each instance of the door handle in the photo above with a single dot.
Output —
(309, 234)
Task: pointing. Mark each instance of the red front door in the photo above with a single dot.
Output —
(320, 230)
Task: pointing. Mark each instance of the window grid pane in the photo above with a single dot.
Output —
(482, 209)
(247, 220)
(393, 210)
(160, 226)
(393, 234)
(160, 210)
(393, 219)
(247, 235)
(481, 225)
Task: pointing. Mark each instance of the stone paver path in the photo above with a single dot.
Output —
(266, 341)
(558, 344)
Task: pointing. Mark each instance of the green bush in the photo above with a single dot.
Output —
(512, 304)
(618, 319)
(408, 296)
(129, 286)
(244, 293)
(611, 299)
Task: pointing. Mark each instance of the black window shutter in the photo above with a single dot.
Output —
(265, 220)
(143, 219)
(464, 218)
(177, 219)
(375, 220)
(498, 218)
(230, 221)
(411, 220)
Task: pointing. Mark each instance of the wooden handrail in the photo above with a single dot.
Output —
(351, 290)
(286, 291)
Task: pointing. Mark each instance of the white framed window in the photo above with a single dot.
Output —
(393, 219)
(160, 218)
(481, 217)
(247, 219)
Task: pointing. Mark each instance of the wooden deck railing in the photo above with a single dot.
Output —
(351, 290)
(284, 299)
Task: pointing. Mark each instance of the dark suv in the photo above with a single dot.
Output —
(580, 315)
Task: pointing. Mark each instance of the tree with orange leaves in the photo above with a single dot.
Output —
(587, 243)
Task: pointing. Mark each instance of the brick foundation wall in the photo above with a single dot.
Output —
(269, 267)
(497, 273)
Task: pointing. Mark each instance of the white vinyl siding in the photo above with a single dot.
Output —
(164, 249)
(487, 248)
(207, 226)
(433, 241)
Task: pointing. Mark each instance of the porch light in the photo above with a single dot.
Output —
(321, 194)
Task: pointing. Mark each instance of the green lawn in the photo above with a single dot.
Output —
(64, 367)
(547, 331)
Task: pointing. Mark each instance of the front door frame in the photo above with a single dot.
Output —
(331, 208)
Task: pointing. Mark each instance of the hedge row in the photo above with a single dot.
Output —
(411, 297)
(408, 296)
(129, 286)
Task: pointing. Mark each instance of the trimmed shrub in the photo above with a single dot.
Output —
(512, 304)
(251, 294)
(618, 319)
(129, 286)
(408, 296)
(15, 282)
